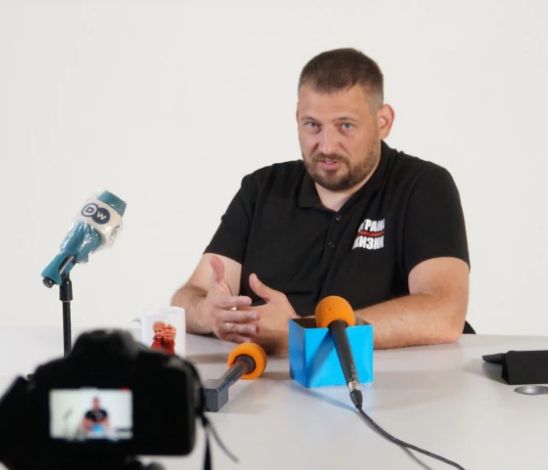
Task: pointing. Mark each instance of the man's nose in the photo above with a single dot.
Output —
(328, 141)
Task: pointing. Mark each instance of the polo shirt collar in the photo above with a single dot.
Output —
(308, 196)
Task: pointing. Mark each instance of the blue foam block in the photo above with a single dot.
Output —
(313, 360)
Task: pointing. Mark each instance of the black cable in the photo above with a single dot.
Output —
(404, 444)
(208, 427)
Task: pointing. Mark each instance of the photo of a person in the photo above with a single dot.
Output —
(95, 422)
(169, 339)
(157, 340)
(164, 337)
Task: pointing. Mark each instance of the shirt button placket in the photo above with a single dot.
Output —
(331, 243)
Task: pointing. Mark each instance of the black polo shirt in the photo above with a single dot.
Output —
(276, 226)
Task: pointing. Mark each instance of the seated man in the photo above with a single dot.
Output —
(96, 422)
(353, 218)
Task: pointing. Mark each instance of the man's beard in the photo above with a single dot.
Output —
(340, 182)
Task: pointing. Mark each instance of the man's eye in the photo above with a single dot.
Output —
(311, 125)
(346, 126)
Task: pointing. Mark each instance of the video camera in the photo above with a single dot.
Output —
(107, 401)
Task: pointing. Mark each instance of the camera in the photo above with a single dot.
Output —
(107, 401)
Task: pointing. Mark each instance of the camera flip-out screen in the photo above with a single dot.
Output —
(85, 414)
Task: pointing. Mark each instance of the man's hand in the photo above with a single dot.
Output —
(228, 322)
(272, 325)
(211, 306)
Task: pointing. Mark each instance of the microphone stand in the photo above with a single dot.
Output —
(65, 296)
(216, 390)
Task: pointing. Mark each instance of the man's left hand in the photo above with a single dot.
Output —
(274, 315)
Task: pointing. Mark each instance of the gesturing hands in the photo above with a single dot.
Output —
(230, 320)
(274, 315)
(234, 319)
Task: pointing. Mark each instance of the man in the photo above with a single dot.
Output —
(354, 218)
(96, 422)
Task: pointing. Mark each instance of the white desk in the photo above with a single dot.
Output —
(441, 398)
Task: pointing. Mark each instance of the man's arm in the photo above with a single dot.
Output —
(87, 424)
(106, 421)
(433, 312)
(211, 301)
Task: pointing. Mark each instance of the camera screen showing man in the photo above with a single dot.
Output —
(109, 416)
(96, 421)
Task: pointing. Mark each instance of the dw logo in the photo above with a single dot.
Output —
(98, 214)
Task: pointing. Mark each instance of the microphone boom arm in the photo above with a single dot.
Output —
(216, 390)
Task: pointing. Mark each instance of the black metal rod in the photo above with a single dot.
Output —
(238, 369)
(67, 333)
(216, 391)
(65, 295)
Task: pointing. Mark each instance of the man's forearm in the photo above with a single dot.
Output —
(191, 299)
(418, 319)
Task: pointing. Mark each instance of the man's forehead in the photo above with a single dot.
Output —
(348, 102)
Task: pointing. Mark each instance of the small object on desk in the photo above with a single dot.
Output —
(522, 367)
(532, 390)
(161, 329)
(494, 358)
(246, 361)
(313, 360)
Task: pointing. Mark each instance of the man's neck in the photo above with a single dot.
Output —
(334, 200)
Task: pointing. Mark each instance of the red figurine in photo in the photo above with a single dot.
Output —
(164, 337)
(169, 339)
(157, 339)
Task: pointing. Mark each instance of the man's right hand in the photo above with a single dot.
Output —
(222, 308)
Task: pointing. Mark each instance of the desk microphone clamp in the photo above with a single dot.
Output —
(65, 296)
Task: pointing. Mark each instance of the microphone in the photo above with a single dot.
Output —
(336, 313)
(97, 225)
(247, 360)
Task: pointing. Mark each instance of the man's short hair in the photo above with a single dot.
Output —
(340, 69)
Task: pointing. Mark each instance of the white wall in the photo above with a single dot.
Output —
(170, 103)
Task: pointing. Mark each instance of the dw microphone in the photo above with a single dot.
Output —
(247, 360)
(336, 313)
(98, 224)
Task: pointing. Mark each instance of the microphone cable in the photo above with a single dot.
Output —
(336, 313)
(404, 444)
(210, 429)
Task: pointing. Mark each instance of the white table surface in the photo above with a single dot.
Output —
(442, 398)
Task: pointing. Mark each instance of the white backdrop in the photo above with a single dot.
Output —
(169, 103)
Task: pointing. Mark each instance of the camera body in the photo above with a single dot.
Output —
(110, 398)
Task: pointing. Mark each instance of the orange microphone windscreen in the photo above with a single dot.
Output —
(332, 308)
(255, 352)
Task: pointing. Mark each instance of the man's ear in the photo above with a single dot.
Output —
(385, 119)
